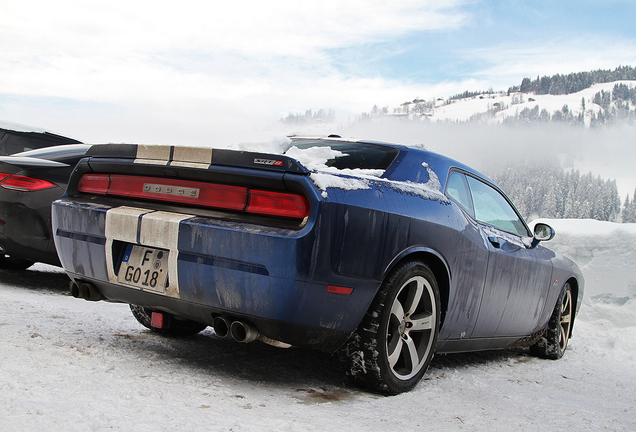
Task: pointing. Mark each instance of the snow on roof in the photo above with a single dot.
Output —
(20, 127)
(324, 176)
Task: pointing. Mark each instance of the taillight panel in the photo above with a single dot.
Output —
(200, 194)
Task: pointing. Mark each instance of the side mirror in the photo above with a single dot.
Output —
(543, 232)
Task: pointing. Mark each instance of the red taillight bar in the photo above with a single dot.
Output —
(277, 204)
(197, 193)
(94, 183)
(24, 184)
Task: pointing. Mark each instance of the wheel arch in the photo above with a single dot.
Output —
(438, 266)
(574, 286)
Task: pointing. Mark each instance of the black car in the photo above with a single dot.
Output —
(29, 182)
(383, 253)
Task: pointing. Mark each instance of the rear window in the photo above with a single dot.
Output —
(355, 155)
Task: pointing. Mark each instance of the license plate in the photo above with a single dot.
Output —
(144, 267)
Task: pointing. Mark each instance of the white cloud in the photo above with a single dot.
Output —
(273, 27)
(119, 51)
(506, 63)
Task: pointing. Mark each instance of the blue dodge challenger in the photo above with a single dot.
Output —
(383, 253)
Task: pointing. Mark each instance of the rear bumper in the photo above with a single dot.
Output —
(324, 339)
(275, 278)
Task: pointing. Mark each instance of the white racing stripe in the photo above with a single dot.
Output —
(153, 154)
(190, 164)
(161, 230)
(121, 224)
(157, 229)
(154, 228)
(193, 157)
(201, 155)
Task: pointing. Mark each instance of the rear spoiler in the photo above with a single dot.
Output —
(196, 156)
(30, 162)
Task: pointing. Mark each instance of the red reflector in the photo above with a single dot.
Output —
(156, 320)
(339, 290)
(3, 175)
(26, 184)
(277, 204)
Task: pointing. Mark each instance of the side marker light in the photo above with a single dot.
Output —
(339, 290)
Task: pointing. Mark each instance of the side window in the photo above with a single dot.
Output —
(16, 144)
(457, 189)
(493, 209)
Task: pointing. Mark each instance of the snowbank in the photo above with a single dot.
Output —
(605, 251)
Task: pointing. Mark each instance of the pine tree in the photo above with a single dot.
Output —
(627, 211)
(550, 204)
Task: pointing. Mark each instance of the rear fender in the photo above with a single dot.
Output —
(436, 263)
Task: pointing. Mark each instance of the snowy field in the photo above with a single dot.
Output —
(71, 365)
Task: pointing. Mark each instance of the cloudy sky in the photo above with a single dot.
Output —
(187, 71)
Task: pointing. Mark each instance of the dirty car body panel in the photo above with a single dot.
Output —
(307, 278)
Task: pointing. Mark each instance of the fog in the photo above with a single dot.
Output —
(609, 151)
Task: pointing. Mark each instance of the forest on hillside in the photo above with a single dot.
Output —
(618, 105)
(549, 191)
(573, 82)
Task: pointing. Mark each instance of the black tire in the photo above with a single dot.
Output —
(173, 326)
(10, 263)
(554, 341)
(393, 346)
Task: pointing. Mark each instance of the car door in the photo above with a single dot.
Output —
(518, 275)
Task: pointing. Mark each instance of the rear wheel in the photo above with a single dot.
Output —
(553, 343)
(394, 344)
(173, 325)
(11, 263)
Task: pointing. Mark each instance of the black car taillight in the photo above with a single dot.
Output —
(238, 198)
(24, 184)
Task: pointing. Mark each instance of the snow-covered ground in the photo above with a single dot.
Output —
(464, 109)
(68, 364)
